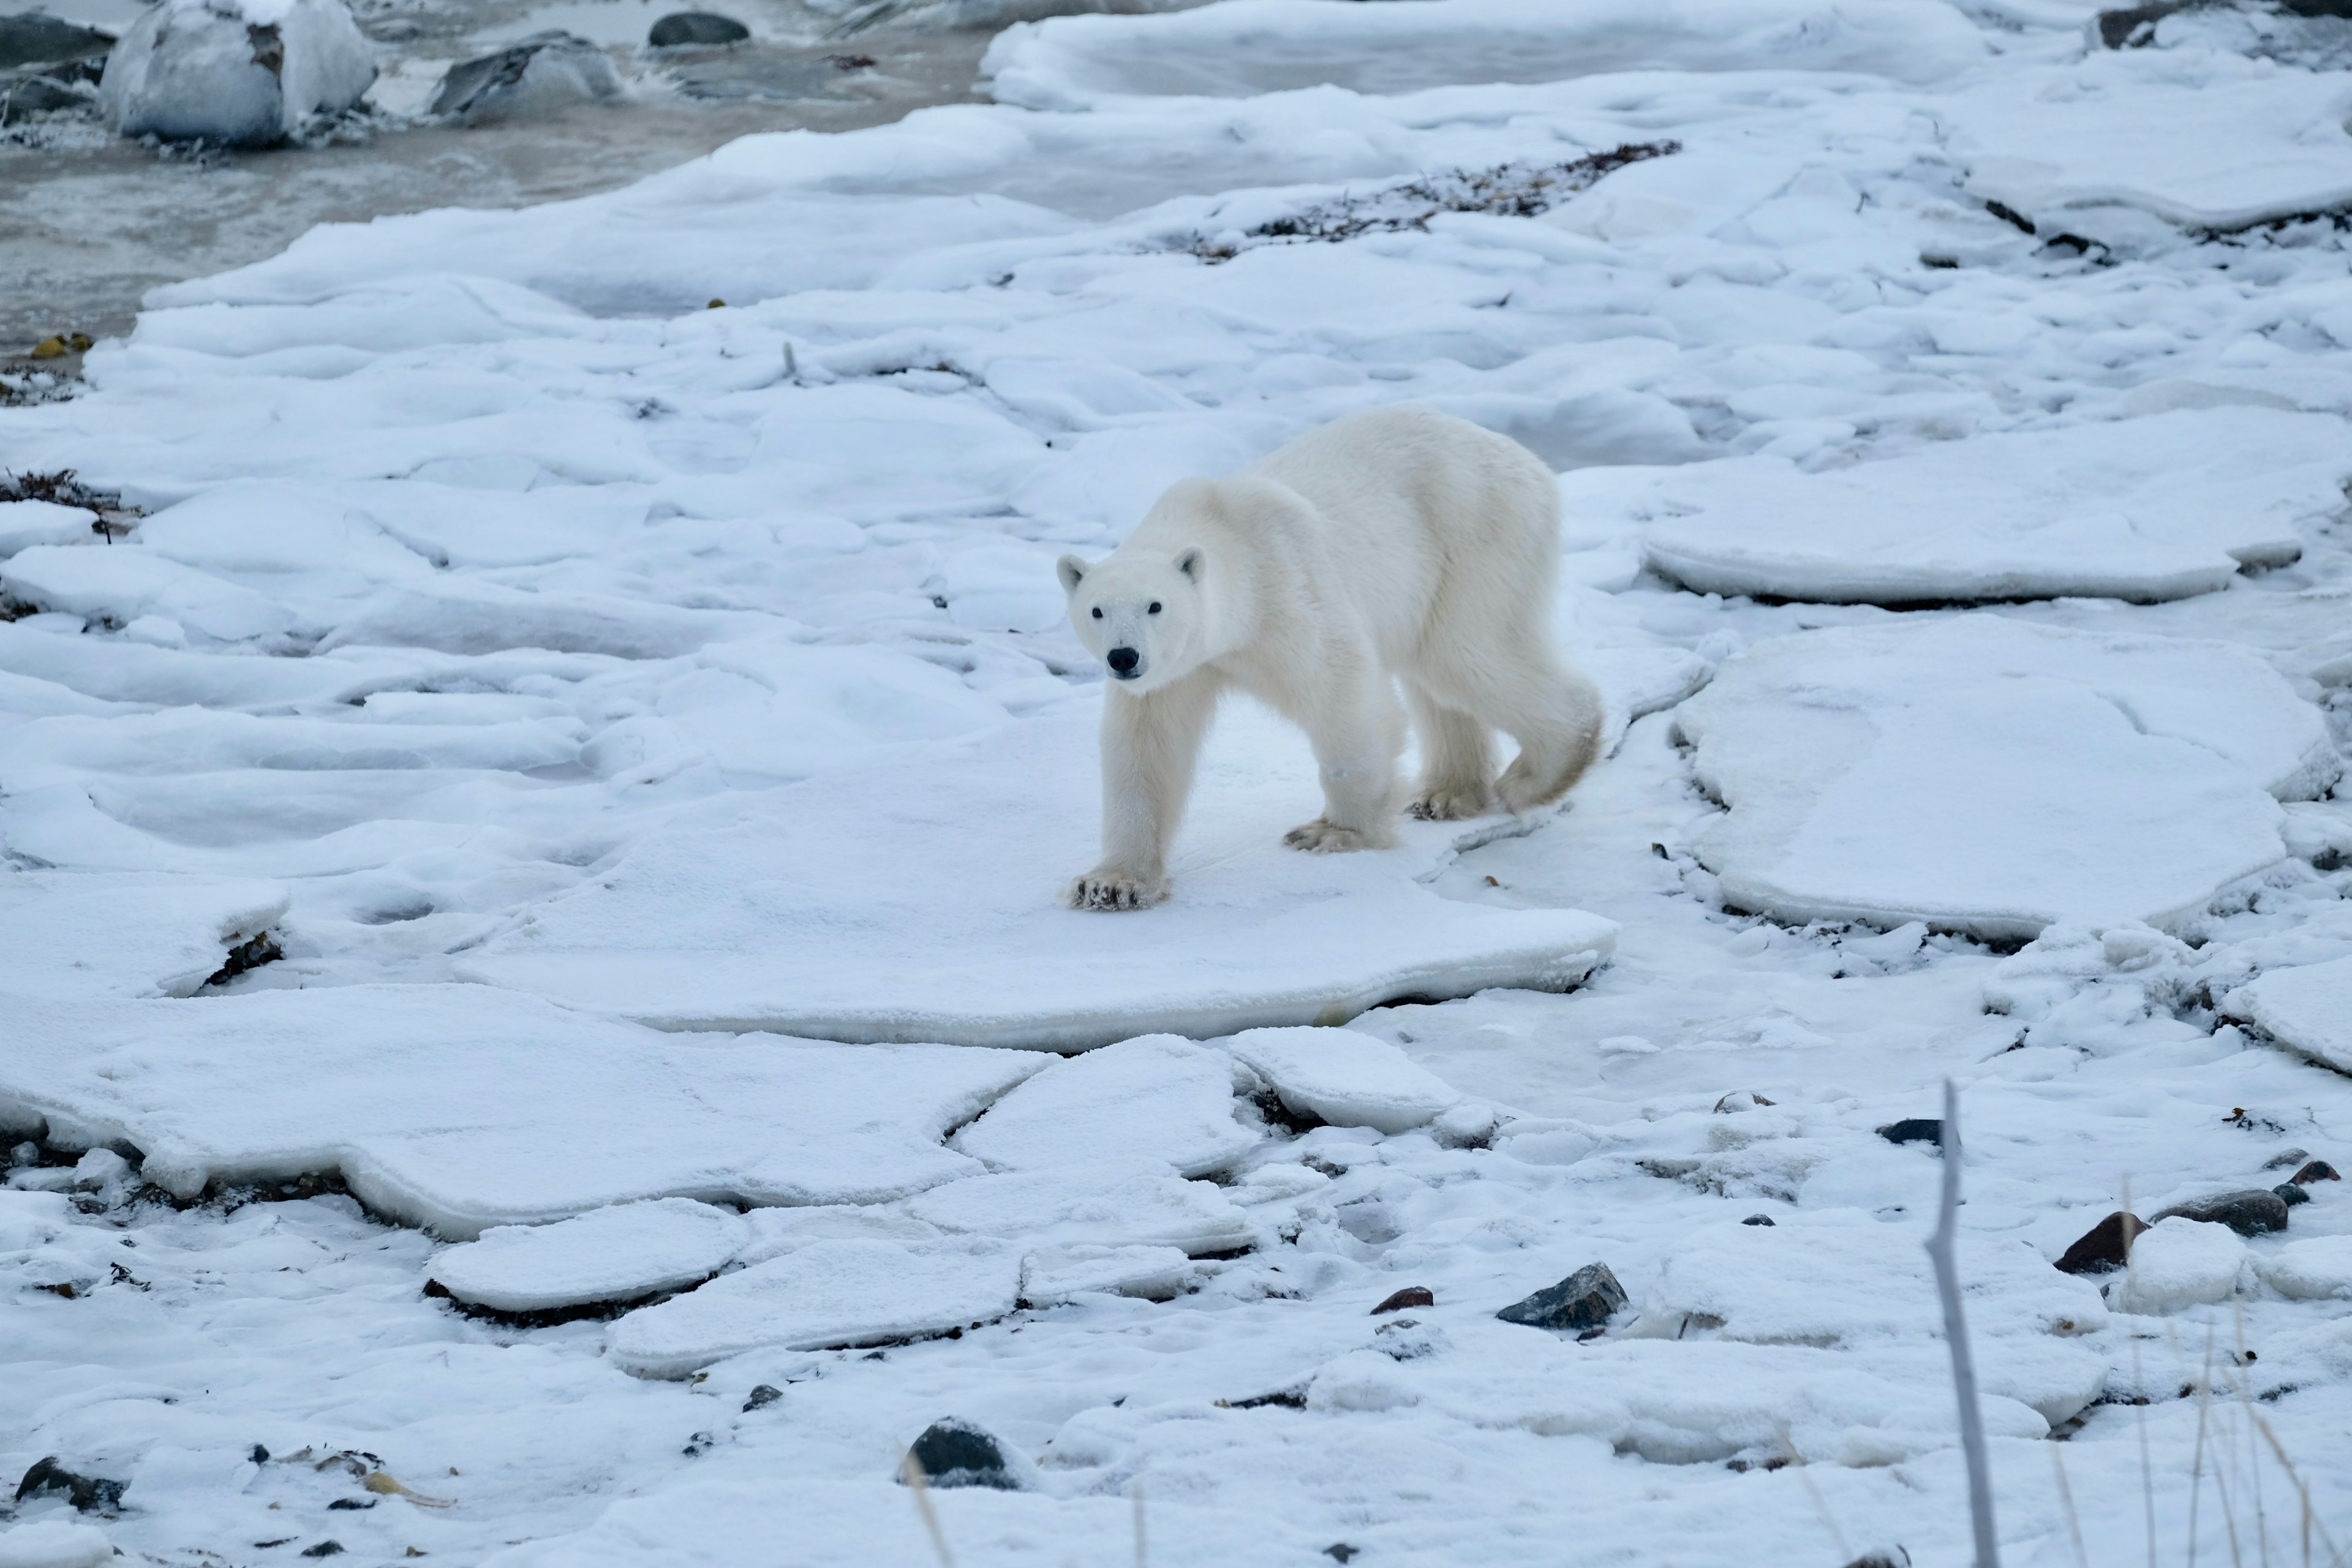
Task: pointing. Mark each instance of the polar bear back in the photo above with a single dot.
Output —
(1420, 516)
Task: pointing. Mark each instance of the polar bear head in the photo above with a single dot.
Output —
(1139, 612)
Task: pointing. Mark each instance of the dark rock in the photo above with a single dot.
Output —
(1585, 1300)
(2253, 1212)
(260, 1456)
(542, 72)
(767, 1394)
(2292, 1194)
(685, 29)
(1758, 1219)
(1410, 1296)
(1339, 1551)
(2105, 1247)
(350, 1504)
(2317, 1171)
(324, 1549)
(1914, 1130)
(89, 1494)
(2284, 1158)
(33, 39)
(954, 1452)
(1899, 1558)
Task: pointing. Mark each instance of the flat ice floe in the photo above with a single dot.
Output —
(615, 1254)
(91, 934)
(2306, 1006)
(461, 1108)
(2141, 510)
(1238, 49)
(2201, 136)
(1986, 775)
(918, 902)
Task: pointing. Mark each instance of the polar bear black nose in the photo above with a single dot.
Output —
(1123, 660)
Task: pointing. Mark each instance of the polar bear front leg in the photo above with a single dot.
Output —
(1357, 737)
(1149, 745)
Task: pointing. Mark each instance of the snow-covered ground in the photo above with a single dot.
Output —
(584, 738)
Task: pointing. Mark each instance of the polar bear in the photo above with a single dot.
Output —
(1399, 545)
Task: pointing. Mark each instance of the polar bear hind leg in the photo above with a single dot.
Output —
(1516, 684)
(1457, 761)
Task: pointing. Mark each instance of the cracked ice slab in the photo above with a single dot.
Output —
(2204, 139)
(1990, 776)
(460, 1107)
(2141, 510)
(2307, 1006)
(917, 901)
(615, 1254)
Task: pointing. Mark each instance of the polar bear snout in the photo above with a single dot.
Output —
(1125, 663)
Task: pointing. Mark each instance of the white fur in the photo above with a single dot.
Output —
(1401, 546)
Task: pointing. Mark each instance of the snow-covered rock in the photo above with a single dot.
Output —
(1983, 774)
(1344, 1078)
(2307, 1006)
(1153, 1097)
(246, 72)
(829, 1293)
(543, 72)
(2177, 1263)
(461, 1108)
(2319, 1268)
(2142, 510)
(615, 1254)
(861, 906)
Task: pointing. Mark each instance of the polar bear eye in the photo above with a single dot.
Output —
(1098, 612)
(1155, 606)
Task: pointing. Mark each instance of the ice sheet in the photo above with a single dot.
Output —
(2306, 1006)
(1345, 1079)
(2068, 774)
(864, 908)
(615, 1254)
(828, 1293)
(2141, 510)
(461, 1108)
(1157, 1098)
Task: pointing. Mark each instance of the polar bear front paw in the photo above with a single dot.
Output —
(1323, 837)
(1103, 889)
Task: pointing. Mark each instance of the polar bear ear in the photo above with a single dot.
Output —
(1073, 571)
(1189, 563)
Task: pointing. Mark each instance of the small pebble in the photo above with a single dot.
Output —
(1914, 1130)
(1758, 1219)
(2105, 1247)
(1584, 1300)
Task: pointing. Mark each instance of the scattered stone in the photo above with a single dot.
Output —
(688, 29)
(1740, 1099)
(235, 71)
(2292, 1194)
(954, 1452)
(1409, 1339)
(1915, 1129)
(1758, 1219)
(351, 1504)
(767, 1394)
(1899, 1558)
(2284, 1158)
(260, 1456)
(1339, 1551)
(1585, 1300)
(2252, 1212)
(2107, 1245)
(89, 1494)
(34, 40)
(324, 1549)
(2317, 1171)
(545, 72)
(1410, 1296)
(852, 62)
